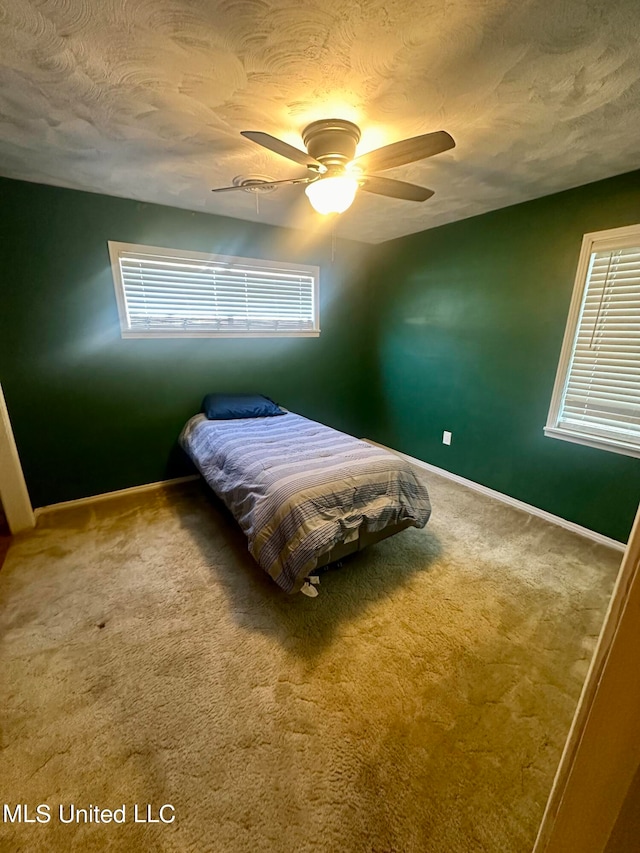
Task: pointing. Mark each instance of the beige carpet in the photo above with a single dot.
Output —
(418, 705)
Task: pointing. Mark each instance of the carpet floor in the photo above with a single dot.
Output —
(418, 705)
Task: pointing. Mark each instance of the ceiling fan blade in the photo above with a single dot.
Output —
(283, 148)
(260, 184)
(405, 151)
(395, 189)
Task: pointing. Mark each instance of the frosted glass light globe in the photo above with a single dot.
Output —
(332, 195)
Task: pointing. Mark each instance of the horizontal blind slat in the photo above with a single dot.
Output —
(175, 292)
(602, 385)
(581, 386)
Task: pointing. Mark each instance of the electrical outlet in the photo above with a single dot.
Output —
(446, 437)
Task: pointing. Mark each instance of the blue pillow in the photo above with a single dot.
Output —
(222, 407)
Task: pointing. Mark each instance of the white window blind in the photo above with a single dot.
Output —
(166, 293)
(598, 387)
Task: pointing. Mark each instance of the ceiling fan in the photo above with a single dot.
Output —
(337, 174)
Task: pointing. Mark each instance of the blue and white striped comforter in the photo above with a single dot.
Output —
(297, 488)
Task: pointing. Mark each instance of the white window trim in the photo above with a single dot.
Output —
(614, 238)
(116, 248)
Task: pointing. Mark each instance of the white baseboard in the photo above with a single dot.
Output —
(119, 493)
(427, 466)
(507, 499)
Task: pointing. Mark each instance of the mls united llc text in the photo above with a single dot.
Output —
(70, 813)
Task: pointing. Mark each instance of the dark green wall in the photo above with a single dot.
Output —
(466, 323)
(455, 328)
(92, 412)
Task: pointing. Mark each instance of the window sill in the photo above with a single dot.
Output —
(130, 333)
(592, 441)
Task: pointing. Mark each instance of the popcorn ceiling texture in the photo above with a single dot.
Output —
(418, 705)
(146, 98)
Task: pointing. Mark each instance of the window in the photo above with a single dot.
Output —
(596, 397)
(166, 293)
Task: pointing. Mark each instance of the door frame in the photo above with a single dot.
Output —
(14, 495)
(602, 752)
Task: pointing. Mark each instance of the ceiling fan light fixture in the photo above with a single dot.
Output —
(336, 172)
(332, 194)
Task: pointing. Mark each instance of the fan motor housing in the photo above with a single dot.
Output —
(332, 141)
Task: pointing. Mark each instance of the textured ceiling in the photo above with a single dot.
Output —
(146, 98)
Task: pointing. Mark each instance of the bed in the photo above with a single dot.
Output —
(304, 494)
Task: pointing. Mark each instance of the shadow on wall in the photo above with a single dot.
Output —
(179, 463)
(304, 626)
(5, 536)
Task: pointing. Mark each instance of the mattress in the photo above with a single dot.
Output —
(298, 488)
